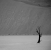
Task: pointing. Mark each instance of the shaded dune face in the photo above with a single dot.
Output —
(42, 3)
(17, 18)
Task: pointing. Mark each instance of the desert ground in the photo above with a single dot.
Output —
(22, 42)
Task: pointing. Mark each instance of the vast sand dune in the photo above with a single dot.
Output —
(24, 43)
(20, 18)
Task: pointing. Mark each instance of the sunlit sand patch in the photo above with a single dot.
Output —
(27, 43)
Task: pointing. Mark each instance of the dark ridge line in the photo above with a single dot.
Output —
(34, 3)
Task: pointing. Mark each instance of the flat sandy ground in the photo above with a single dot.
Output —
(25, 43)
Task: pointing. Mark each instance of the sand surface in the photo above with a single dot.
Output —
(24, 43)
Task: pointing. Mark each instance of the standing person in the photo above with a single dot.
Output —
(40, 34)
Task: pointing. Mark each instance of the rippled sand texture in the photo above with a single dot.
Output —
(18, 18)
